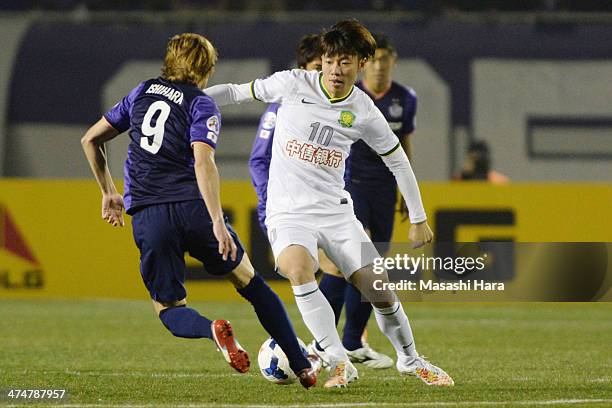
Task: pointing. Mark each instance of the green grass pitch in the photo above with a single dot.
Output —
(117, 353)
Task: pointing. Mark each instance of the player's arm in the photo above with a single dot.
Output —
(406, 143)
(207, 176)
(408, 126)
(382, 139)
(261, 156)
(269, 90)
(93, 146)
(398, 163)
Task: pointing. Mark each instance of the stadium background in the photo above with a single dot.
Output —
(535, 86)
(531, 78)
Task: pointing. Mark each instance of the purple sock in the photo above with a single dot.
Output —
(273, 317)
(358, 313)
(185, 322)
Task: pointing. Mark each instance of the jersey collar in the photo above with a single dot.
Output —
(327, 94)
(376, 97)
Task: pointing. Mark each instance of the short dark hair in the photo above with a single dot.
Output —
(383, 42)
(479, 146)
(348, 37)
(307, 50)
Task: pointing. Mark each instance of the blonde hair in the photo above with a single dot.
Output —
(189, 58)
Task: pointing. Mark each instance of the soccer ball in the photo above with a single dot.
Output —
(273, 362)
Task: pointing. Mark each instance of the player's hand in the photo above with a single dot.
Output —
(227, 246)
(420, 234)
(403, 210)
(112, 209)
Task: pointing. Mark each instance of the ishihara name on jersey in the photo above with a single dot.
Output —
(313, 136)
(164, 118)
(398, 105)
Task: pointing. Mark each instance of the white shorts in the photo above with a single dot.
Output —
(341, 236)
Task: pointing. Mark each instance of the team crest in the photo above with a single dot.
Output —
(346, 119)
(396, 110)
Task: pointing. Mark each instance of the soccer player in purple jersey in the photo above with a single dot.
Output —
(172, 193)
(332, 284)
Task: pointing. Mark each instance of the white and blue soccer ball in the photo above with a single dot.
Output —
(273, 362)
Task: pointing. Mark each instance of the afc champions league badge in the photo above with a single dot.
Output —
(267, 124)
(395, 109)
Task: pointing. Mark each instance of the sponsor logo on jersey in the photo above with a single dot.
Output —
(347, 118)
(269, 121)
(313, 154)
(395, 109)
(213, 124)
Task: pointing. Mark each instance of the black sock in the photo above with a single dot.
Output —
(185, 322)
(357, 313)
(273, 317)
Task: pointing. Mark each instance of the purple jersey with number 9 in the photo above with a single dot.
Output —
(164, 119)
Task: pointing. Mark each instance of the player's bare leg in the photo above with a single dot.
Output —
(327, 266)
(393, 322)
(221, 332)
(296, 263)
(273, 317)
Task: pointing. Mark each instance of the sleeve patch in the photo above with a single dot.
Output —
(269, 121)
(264, 134)
(212, 136)
(213, 124)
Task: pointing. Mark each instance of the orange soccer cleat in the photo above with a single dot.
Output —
(234, 354)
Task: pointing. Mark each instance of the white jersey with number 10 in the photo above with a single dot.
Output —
(313, 136)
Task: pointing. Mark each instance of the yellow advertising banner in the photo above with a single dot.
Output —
(54, 244)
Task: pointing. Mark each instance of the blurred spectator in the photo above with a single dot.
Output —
(477, 165)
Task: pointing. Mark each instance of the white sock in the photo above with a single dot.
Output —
(393, 322)
(319, 318)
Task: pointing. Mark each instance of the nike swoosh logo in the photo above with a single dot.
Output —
(305, 101)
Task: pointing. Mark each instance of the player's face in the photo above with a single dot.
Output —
(378, 70)
(314, 65)
(340, 73)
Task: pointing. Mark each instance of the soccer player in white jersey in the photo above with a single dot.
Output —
(321, 115)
